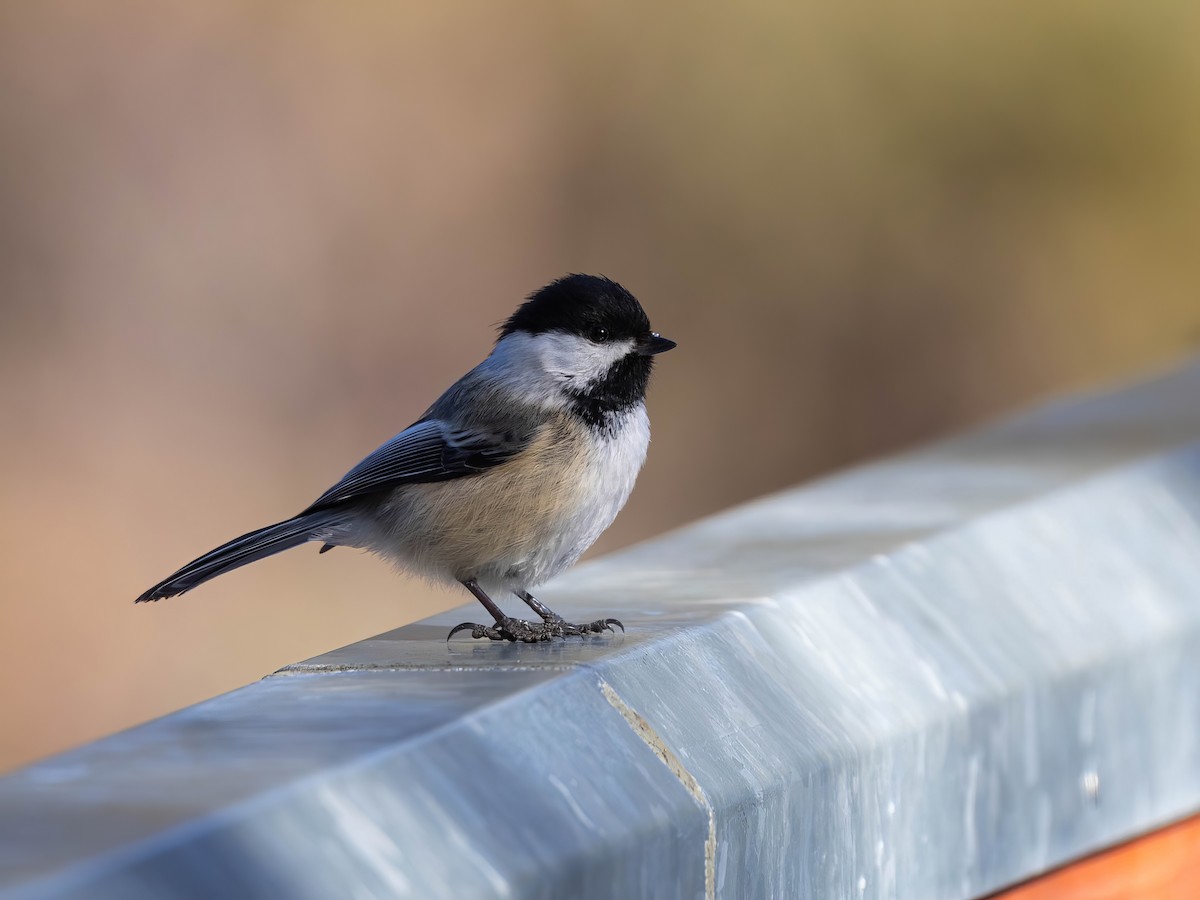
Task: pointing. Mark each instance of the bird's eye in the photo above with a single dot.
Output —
(599, 334)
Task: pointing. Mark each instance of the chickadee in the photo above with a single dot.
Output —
(509, 477)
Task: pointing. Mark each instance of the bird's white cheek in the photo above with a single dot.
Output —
(576, 360)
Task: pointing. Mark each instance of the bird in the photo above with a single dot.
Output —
(508, 477)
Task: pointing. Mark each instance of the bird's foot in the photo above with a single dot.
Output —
(551, 627)
(563, 628)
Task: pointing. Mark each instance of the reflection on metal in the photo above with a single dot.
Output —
(927, 678)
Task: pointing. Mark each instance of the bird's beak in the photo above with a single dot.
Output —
(654, 344)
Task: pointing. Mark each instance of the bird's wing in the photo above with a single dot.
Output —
(430, 450)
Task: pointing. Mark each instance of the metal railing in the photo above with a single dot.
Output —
(930, 677)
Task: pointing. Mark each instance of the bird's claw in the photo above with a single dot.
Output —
(592, 628)
(477, 631)
(518, 630)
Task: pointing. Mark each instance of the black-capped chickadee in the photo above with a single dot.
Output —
(509, 477)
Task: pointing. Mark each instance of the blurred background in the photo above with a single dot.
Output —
(241, 243)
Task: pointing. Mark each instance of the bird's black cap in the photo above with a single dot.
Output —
(580, 304)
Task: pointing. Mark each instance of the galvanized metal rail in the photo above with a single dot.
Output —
(929, 678)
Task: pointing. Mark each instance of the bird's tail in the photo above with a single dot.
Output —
(246, 549)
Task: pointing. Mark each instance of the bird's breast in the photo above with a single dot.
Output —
(524, 521)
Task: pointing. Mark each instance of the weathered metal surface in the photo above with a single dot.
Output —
(926, 678)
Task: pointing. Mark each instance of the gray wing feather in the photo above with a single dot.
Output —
(428, 451)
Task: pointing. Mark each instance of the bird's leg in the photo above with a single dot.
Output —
(554, 621)
(505, 628)
(509, 629)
